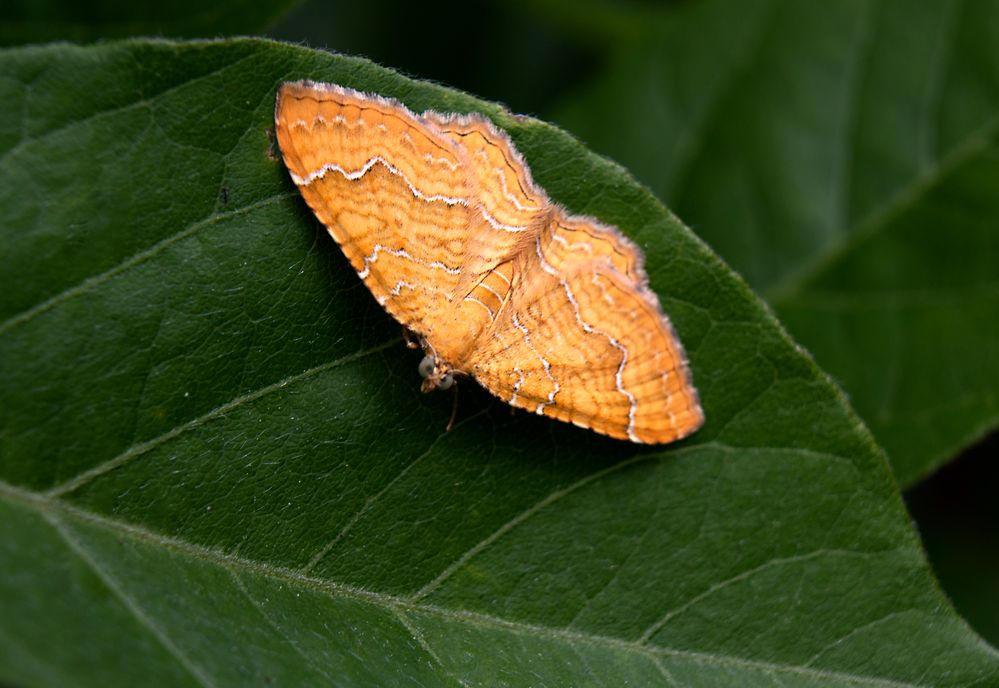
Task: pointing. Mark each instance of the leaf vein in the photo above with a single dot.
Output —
(135, 259)
(241, 586)
(137, 450)
(130, 604)
(526, 514)
(660, 623)
(370, 502)
(45, 504)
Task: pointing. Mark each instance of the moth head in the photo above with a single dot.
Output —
(435, 373)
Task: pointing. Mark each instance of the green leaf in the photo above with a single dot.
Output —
(843, 157)
(217, 468)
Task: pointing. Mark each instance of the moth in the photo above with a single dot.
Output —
(440, 217)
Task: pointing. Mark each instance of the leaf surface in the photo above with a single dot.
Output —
(216, 467)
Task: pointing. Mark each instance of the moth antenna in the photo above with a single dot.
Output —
(454, 409)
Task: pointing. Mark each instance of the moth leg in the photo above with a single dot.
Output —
(411, 343)
(454, 409)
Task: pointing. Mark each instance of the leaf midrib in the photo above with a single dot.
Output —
(56, 509)
(133, 607)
